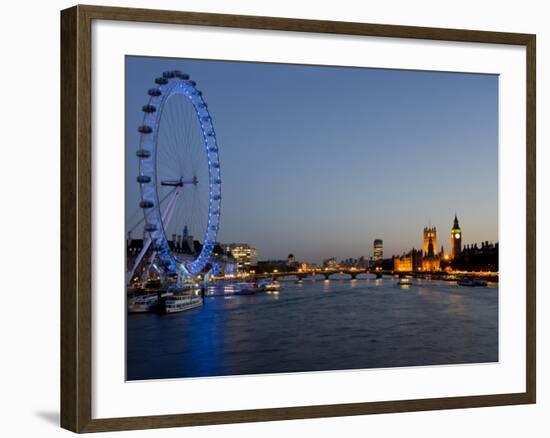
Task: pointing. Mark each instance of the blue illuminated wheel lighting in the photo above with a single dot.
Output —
(169, 85)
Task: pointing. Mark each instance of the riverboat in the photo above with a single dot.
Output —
(181, 302)
(472, 282)
(246, 288)
(270, 286)
(142, 303)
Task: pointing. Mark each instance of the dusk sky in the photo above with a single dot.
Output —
(320, 161)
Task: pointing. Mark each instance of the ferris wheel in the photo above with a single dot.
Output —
(179, 177)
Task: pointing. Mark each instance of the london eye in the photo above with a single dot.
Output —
(179, 178)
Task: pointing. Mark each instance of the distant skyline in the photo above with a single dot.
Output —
(320, 161)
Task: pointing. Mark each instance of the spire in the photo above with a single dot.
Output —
(455, 223)
(431, 251)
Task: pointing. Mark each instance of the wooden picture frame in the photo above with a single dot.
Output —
(76, 218)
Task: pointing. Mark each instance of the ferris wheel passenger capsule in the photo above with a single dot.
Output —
(154, 92)
(146, 204)
(150, 228)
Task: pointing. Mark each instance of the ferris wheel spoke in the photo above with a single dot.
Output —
(166, 161)
(189, 139)
(184, 143)
(170, 140)
(181, 131)
(194, 216)
(194, 140)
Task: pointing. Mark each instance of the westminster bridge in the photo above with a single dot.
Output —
(354, 273)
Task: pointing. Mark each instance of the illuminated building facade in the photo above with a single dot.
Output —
(430, 233)
(431, 264)
(378, 250)
(474, 257)
(244, 254)
(412, 261)
(291, 261)
(330, 263)
(431, 261)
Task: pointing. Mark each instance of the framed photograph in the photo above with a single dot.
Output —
(270, 218)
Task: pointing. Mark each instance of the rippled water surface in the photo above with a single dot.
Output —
(321, 325)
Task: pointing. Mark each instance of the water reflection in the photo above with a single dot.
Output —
(319, 325)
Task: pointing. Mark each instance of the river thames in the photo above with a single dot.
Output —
(319, 326)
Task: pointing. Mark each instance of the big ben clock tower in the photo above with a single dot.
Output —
(456, 239)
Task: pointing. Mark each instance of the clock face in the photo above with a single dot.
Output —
(457, 236)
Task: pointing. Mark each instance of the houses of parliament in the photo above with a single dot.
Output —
(428, 259)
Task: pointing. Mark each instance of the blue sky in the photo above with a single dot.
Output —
(320, 161)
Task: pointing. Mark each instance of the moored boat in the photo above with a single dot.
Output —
(143, 303)
(216, 290)
(472, 282)
(404, 281)
(246, 288)
(181, 302)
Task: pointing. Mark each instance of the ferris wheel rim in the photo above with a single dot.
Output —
(168, 85)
